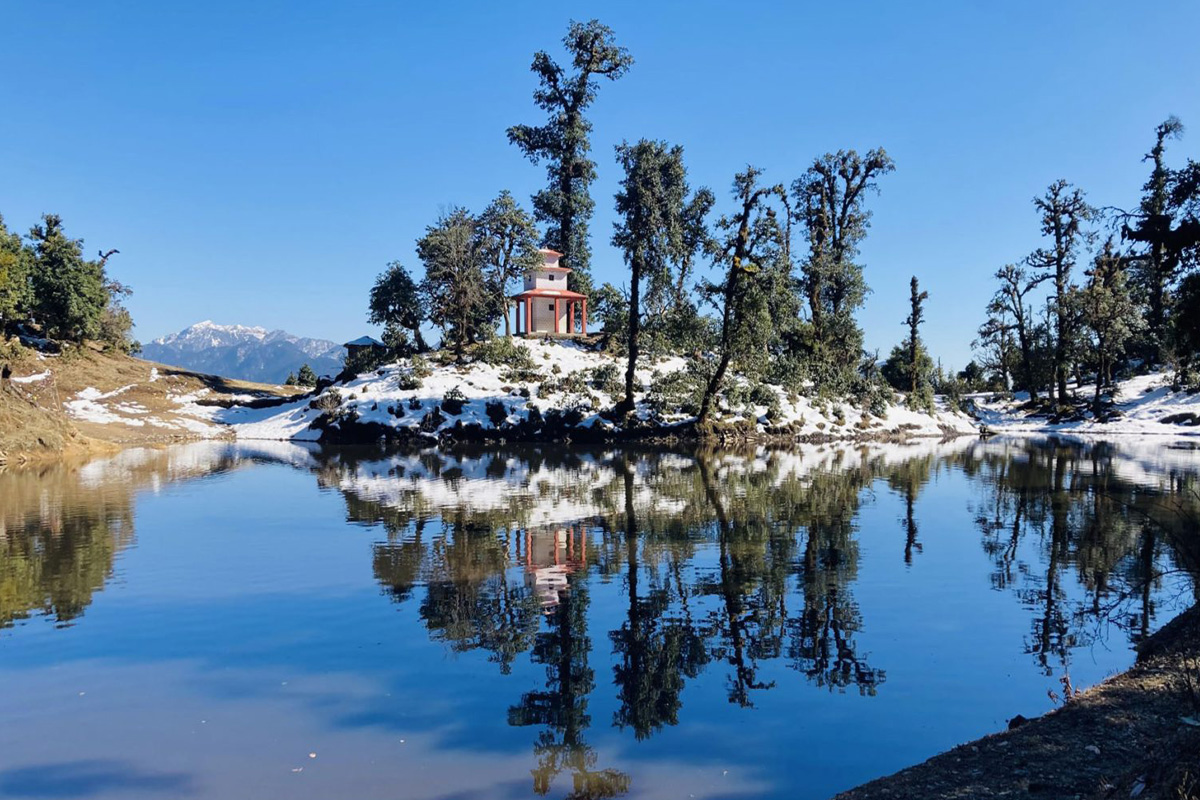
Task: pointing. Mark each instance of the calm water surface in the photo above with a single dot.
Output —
(223, 621)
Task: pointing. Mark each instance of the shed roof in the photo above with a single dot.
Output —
(364, 341)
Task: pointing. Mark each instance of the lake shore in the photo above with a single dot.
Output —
(1125, 737)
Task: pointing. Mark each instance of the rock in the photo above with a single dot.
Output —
(1017, 722)
(1091, 748)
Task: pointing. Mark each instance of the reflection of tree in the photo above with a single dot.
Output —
(1085, 522)
(61, 527)
(656, 652)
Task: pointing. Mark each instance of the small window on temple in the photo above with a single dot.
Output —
(551, 277)
(550, 306)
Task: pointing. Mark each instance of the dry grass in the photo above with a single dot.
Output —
(34, 422)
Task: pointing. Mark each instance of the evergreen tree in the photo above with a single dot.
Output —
(916, 316)
(565, 206)
(1108, 313)
(306, 376)
(1157, 266)
(1063, 214)
(830, 203)
(1009, 301)
(650, 230)
(1185, 329)
(454, 288)
(753, 242)
(396, 302)
(69, 292)
(290, 380)
(15, 261)
(509, 247)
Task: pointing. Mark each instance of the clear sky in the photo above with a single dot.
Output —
(260, 162)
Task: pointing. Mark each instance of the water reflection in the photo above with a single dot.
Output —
(619, 578)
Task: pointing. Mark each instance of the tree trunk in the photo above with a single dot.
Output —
(635, 322)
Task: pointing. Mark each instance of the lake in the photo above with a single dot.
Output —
(219, 620)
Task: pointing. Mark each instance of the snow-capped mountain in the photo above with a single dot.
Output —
(239, 351)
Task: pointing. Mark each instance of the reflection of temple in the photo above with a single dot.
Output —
(551, 555)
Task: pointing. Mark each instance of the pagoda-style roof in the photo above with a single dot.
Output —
(562, 294)
(364, 341)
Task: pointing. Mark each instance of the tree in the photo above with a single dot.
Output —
(396, 302)
(565, 206)
(1108, 313)
(1015, 285)
(15, 261)
(914, 319)
(650, 231)
(1064, 211)
(508, 246)
(70, 293)
(1156, 268)
(306, 376)
(454, 289)
(753, 241)
(1185, 328)
(290, 380)
(830, 203)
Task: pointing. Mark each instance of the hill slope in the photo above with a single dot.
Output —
(245, 353)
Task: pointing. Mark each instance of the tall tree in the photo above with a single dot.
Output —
(752, 241)
(508, 246)
(457, 299)
(1015, 285)
(1108, 313)
(1157, 267)
(565, 206)
(916, 316)
(70, 293)
(830, 203)
(1063, 213)
(396, 302)
(650, 204)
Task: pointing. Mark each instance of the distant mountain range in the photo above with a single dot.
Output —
(237, 351)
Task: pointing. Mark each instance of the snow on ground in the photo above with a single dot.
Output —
(1143, 404)
(106, 408)
(379, 397)
(41, 376)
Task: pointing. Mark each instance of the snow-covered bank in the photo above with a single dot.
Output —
(1142, 406)
(564, 392)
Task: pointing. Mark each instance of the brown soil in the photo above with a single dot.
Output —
(34, 423)
(1125, 737)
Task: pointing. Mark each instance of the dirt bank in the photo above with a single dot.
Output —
(88, 401)
(1126, 737)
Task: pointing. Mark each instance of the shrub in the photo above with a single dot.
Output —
(328, 401)
(607, 378)
(503, 351)
(407, 380)
(419, 366)
(680, 391)
(453, 401)
(414, 404)
(432, 420)
(497, 412)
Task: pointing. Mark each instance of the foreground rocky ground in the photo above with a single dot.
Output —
(1136, 735)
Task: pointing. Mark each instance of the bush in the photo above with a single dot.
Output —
(497, 412)
(419, 366)
(432, 420)
(680, 391)
(407, 380)
(453, 401)
(503, 351)
(328, 401)
(607, 378)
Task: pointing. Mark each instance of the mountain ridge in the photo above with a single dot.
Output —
(246, 352)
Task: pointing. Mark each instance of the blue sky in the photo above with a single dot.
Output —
(260, 163)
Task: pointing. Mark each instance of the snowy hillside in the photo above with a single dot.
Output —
(1141, 405)
(563, 391)
(238, 351)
